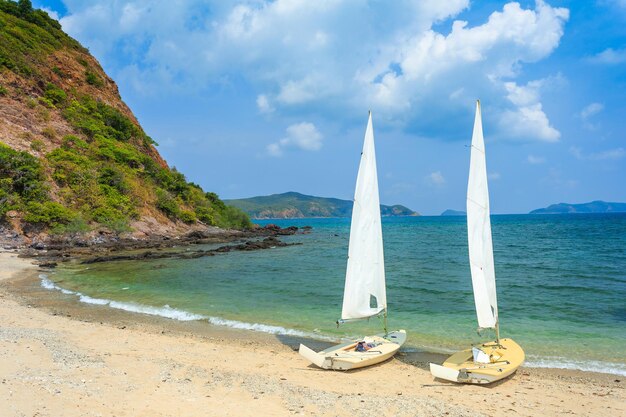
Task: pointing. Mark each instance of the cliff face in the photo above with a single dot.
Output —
(73, 157)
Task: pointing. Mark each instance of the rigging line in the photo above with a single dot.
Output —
(478, 149)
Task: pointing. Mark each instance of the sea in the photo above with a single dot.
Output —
(561, 284)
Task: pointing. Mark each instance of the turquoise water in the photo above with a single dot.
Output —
(561, 285)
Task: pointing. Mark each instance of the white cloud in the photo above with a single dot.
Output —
(304, 136)
(528, 120)
(300, 55)
(610, 56)
(53, 14)
(577, 152)
(264, 104)
(535, 160)
(617, 153)
(588, 112)
(610, 154)
(436, 178)
(494, 176)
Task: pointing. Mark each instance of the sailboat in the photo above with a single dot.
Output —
(364, 293)
(494, 360)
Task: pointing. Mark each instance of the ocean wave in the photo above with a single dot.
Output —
(180, 315)
(582, 365)
(266, 328)
(49, 285)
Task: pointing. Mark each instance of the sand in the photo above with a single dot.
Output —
(101, 362)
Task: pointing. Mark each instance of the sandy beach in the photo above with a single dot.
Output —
(61, 358)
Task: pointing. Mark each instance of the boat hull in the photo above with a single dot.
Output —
(344, 357)
(460, 367)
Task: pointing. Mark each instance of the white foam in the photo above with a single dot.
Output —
(564, 363)
(90, 300)
(49, 285)
(264, 328)
(182, 315)
(165, 311)
(176, 314)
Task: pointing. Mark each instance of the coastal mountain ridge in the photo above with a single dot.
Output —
(73, 157)
(451, 212)
(597, 206)
(291, 205)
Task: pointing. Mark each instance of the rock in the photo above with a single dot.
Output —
(197, 234)
(48, 265)
(38, 246)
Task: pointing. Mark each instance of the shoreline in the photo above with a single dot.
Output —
(58, 301)
(77, 302)
(21, 303)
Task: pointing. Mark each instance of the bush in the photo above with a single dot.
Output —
(54, 94)
(3, 91)
(188, 216)
(235, 218)
(93, 79)
(49, 132)
(25, 174)
(166, 203)
(77, 225)
(73, 142)
(48, 213)
(36, 145)
(205, 215)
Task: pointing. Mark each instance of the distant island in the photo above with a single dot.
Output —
(451, 212)
(592, 207)
(295, 205)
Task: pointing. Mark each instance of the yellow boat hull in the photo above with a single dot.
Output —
(504, 357)
(343, 357)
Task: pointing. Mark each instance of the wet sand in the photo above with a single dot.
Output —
(61, 357)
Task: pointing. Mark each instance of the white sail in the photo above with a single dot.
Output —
(364, 294)
(479, 231)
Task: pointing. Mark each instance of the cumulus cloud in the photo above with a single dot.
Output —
(436, 178)
(264, 104)
(304, 136)
(527, 120)
(299, 56)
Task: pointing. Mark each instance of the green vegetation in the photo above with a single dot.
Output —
(28, 36)
(293, 205)
(597, 206)
(107, 174)
(93, 79)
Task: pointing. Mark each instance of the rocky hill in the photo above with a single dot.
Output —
(592, 207)
(295, 205)
(451, 212)
(73, 157)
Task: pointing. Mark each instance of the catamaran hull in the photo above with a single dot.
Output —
(461, 367)
(343, 357)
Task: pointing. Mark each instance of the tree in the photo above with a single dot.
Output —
(25, 7)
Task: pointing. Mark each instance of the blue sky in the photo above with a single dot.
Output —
(255, 97)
